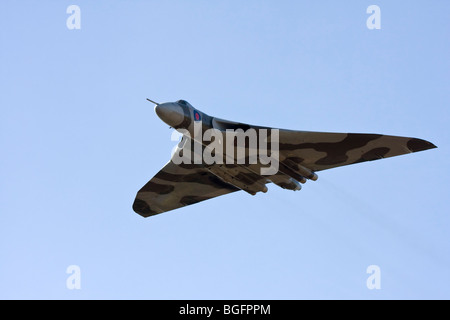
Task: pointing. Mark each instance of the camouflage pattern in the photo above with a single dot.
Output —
(301, 154)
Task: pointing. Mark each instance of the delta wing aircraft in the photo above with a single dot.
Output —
(216, 157)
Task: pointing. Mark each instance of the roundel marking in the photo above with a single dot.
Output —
(197, 116)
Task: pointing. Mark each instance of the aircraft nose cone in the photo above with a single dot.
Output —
(170, 113)
(158, 110)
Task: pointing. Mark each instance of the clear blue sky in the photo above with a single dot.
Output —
(78, 140)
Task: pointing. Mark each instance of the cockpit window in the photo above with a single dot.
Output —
(182, 102)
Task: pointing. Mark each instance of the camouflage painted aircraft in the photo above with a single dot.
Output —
(300, 155)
